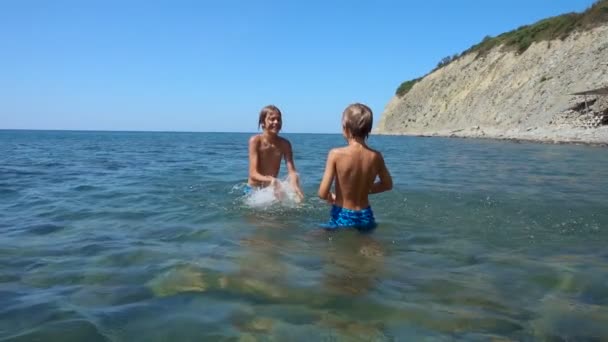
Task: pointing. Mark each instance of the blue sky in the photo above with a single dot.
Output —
(211, 65)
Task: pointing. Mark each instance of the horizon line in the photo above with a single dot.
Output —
(145, 131)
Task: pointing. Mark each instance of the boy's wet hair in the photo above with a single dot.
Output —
(357, 119)
(265, 111)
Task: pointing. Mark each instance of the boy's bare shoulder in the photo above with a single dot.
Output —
(376, 153)
(337, 150)
(284, 143)
(284, 140)
(255, 139)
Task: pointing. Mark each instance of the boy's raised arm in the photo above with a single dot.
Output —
(328, 177)
(386, 181)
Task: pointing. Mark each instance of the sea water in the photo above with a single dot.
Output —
(126, 236)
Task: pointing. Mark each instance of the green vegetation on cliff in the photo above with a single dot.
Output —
(559, 27)
(406, 86)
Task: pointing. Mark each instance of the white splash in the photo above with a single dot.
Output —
(283, 194)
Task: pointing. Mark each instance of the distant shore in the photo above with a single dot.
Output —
(587, 136)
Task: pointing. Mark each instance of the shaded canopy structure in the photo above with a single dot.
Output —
(599, 91)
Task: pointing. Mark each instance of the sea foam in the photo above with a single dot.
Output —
(282, 194)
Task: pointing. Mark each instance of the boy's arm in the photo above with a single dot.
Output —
(253, 163)
(328, 177)
(386, 181)
(294, 178)
(291, 166)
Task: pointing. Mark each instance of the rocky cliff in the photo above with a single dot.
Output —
(511, 94)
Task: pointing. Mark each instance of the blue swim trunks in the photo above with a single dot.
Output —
(247, 189)
(342, 218)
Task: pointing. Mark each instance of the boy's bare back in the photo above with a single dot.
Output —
(356, 168)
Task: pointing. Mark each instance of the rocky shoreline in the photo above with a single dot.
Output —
(591, 136)
(582, 123)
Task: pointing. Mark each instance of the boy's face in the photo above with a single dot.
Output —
(272, 122)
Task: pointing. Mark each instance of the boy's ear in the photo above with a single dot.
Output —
(346, 131)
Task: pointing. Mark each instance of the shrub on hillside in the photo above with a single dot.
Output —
(405, 87)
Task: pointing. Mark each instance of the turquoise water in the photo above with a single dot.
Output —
(145, 236)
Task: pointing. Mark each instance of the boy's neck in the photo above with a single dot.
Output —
(356, 141)
(270, 136)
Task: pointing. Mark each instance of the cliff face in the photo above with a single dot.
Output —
(502, 92)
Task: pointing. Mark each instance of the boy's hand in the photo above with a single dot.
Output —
(294, 180)
(331, 198)
(276, 187)
(273, 182)
(299, 195)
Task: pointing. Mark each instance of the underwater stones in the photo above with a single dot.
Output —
(255, 286)
(260, 324)
(247, 337)
(68, 330)
(561, 318)
(178, 280)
